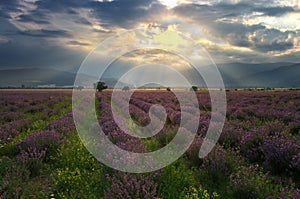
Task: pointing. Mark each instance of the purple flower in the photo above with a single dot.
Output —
(41, 140)
(126, 185)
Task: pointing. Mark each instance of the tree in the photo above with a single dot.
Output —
(100, 86)
(79, 87)
(126, 88)
(168, 89)
(194, 88)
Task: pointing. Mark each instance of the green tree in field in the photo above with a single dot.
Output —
(100, 86)
(126, 88)
(194, 88)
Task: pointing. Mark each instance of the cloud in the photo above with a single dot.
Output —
(126, 13)
(274, 11)
(59, 6)
(31, 49)
(77, 43)
(15, 54)
(46, 33)
(31, 30)
(4, 40)
(34, 17)
(272, 40)
(7, 6)
(39, 54)
(256, 37)
(233, 31)
(225, 9)
(83, 21)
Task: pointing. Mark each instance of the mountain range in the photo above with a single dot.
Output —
(260, 75)
(235, 75)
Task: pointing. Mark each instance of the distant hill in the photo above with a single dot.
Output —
(285, 76)
(234, 75)
(33, 77)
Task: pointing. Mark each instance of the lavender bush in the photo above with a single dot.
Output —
(41, 140)
(124, 185)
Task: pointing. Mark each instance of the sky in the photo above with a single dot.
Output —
(61, 33)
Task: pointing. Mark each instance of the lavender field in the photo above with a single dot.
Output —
(257, 154)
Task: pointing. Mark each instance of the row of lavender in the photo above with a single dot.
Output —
(29, 155)
(20, 110)
(125, 185)
(263, 126)
(269, 137)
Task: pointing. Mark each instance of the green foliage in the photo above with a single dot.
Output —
(151, 144)
(9, 150)
(174, 179)
(38, 124)
(32, 160)
(100, 86)
(251, 182)
(73, 154)
(13, 181)
(219, 164)
(79, 183)
(78, 173)
(70, 171)
(166, 136)
(200, 193)
(39, 187)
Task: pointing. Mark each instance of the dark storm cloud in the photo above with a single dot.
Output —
(39, 54)
(59, 6)
(256, 37)
(35, 51)
(216, 20)
(274, 11)
(232, 10)
(45, 8)
(122, 13)
(7, 28)
(83, 21)
(31, 47)
(45, 48)
(45, 33)
(126, 13)
(236, 34)
(7, 6)
(35, 17)
(273, 40)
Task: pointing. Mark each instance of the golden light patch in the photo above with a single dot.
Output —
(158, 56)
(82, 44)
(169, 3)
(287, 52)
(170, 38)
(205, 42)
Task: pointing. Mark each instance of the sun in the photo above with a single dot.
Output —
(170, 3)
